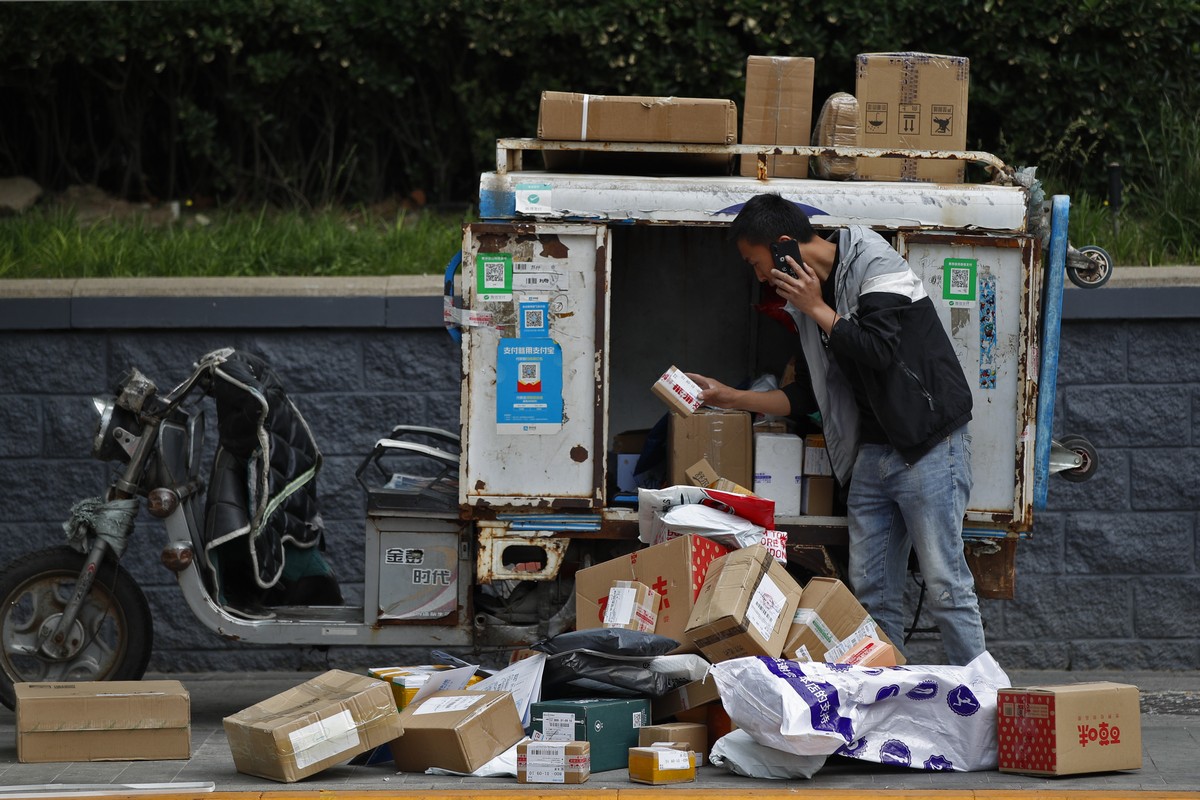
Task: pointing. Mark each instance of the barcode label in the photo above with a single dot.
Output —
(558, 727)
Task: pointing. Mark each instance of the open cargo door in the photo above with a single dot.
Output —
(535, 365)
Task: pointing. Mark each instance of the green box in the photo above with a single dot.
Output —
(611, 726)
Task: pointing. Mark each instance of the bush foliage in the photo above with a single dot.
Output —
(308, 102)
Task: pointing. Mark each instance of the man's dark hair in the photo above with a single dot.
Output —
(766, 217)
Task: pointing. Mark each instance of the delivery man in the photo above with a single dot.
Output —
(894, 406)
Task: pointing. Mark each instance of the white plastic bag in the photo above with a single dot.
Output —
(720, 526)
(926, 717)
(738, 753)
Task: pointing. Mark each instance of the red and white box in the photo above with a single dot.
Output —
(1070, 728)
(678, 391)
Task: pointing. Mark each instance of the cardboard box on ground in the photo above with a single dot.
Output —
(694, 734)
(553, 762)
(102, 721)
(1069, 729)
(662, 763)
(317, 724)
(610, 725)
(456, 730)
(915, 101)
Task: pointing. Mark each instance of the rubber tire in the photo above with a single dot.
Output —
(1084, 448)
(1087, 280)
(126, 596)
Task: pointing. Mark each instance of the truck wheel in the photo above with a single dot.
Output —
(1084, 449)
(1095, 274)
(110, 640)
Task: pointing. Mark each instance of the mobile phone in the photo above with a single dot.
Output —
(788, 247)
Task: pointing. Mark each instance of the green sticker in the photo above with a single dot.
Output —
(494, 276)
(958, 281)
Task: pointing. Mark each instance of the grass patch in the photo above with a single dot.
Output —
(1159, 221)
(50, 243)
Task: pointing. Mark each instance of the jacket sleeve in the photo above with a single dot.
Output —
(870, 336)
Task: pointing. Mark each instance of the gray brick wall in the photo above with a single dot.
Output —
(1108, 580)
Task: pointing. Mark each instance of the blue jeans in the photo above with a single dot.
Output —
(895, 506)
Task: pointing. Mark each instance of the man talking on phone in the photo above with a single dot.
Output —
(894, 406)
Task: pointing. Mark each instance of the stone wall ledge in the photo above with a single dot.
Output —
(415, 301)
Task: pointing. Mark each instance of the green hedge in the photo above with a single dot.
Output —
(308, 102)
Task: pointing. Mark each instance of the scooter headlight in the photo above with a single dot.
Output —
(116, 425)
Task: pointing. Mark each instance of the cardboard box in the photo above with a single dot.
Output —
(322, 722)
(816, 496)
(828, 621)
(554, 762)
(745, 607)
(778, 110)
(702, 474)
(778, 458)
(693, 734)
(675, 569)
(721, 437)
(405, 682)
(571, 116)
(917, 101)
(837, 126)
(575, 117)
(456, 730)
(678, 391)
(611, 726)
(693, 695)
(632, 605)
(870, 652)
(102, 721)
(666, 762)
(1070, 728)
(816, 457)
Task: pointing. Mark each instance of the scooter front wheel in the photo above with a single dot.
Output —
(110, 640)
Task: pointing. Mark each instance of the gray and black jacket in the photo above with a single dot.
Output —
(890, 332)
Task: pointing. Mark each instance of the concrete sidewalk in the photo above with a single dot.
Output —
(1170, 737)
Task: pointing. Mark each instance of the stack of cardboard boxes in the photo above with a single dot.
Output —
(915, 101)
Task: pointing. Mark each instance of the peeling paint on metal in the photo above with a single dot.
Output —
(579, 454)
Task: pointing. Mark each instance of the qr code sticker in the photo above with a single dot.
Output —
(493, 274)
(530, 371)
(535, 319)
(960, 281)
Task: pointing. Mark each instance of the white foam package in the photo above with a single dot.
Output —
(928, 717)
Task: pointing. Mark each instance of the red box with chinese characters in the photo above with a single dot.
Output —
(675, 569)
(1070, 728)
